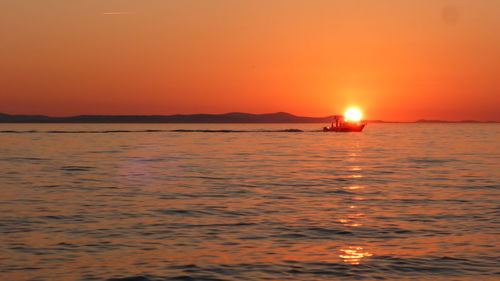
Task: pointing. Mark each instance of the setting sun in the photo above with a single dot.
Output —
(353, 114)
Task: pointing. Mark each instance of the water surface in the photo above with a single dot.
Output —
(249, 202)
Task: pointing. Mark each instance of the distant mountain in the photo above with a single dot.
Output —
(462, 121)
(234, 117)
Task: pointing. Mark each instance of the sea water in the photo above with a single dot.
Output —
(249, 202)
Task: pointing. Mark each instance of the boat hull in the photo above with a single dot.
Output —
(348, 128)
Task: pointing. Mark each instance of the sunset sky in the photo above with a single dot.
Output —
(396, 59)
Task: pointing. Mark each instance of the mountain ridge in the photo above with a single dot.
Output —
(231, 117)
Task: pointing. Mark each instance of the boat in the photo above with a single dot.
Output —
(341, 124)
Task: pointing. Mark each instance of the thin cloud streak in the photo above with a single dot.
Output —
(118, 13)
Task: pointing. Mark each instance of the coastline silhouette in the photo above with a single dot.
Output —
(234, 117)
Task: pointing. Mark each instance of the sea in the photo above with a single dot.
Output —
(212, 202)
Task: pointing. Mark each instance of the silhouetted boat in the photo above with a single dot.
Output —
(340, 124)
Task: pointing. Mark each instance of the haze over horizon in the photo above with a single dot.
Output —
(396, 60)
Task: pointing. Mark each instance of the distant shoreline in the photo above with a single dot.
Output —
(228, 118)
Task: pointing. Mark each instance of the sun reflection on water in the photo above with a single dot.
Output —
(349, 222)
(353, 255)
(355, 168)
(354, 187)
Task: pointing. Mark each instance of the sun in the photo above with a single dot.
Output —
(353, 114)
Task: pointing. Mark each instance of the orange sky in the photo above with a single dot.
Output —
(396, 59)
